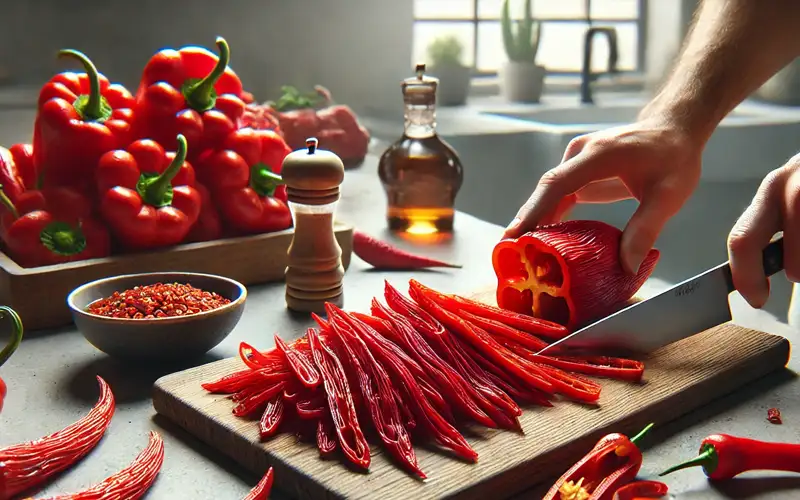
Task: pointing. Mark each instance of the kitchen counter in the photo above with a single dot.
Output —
(51, 378)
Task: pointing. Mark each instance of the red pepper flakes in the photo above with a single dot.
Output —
(157, 301)
(774, 416)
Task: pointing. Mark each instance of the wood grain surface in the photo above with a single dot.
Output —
(39, 294)
(678, 379)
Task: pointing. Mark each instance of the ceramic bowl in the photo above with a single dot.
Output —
(170, 338)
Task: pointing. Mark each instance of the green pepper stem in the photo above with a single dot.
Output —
(641, 434)
(156, 189)
(200, 96)
(706, 459)
(16, 333)
(93, 108)
(6, 202)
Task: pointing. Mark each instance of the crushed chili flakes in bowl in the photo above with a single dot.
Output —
(160, 300)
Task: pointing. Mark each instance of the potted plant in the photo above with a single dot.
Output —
(521, 78)
(445, 54)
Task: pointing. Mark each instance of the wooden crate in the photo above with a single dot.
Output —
(39, 294)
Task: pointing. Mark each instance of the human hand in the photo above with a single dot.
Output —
(651, 161)
(775, 208)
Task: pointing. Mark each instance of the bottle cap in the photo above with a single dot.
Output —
(312, 175)
(420, 89)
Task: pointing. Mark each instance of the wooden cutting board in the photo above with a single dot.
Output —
(678, 379)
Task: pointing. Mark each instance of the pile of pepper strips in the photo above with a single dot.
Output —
(418, 366)
(110, 171)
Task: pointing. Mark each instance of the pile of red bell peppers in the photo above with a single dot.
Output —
(110, 171)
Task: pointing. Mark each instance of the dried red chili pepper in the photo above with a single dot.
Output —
(340, 401)
(26, 465)
(639, 490)
(262, 489)
(326, 436)
(568, 273)
(613, 462)
(160, 300)
(774, 416)
(377, 393)
(130, 483)
(272, 417)
(302, 366)
(382, 255)
(723, 457)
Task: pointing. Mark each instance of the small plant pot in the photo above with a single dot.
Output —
(522, 82)
(454, 83)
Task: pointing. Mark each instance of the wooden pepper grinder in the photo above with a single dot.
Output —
(314, 274)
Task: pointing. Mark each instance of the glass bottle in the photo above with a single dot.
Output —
(420, 172)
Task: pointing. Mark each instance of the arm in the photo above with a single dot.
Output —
(733, 47)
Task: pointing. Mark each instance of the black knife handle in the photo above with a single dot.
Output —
(773, 257)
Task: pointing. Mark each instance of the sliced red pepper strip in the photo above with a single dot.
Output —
(243, 379)
(527, 323)
(311, 408)
(340, 401)
(379, 325)
(639, 490)
(262, 489)
(326, 437)
(377, 393)
(302, 367)
(255, 359)
(272, 417)
(257, 401)
(498, 329)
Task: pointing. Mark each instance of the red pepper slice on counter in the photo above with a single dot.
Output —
(272, 417)
(17, 173)
(600, 366)
(723, 456)
(191, 92)
(11, 346)
(243, 177)
(326, 436)
(147, 195)
(80, 118)
(774, 416)
(382, 255)
(262, 489)
(612, 463)
(568, 273)
(302, 366)
(130, 483)
(639, 490)
(62, 230)
(26, 465)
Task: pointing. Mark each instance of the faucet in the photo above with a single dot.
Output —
(586, 72)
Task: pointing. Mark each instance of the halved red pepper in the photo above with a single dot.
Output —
(11, 346)
(147, 195)
(81, 117)
(569, 273)
(191, 92)
(243, 177)
(612, 463)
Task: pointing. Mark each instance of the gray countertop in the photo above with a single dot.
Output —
(51, 379)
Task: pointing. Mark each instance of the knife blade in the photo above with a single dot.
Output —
(688, 308)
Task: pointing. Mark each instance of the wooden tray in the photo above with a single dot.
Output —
(39, 294)
(678, 379)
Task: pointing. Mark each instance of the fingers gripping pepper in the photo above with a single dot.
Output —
(568, 273)
(244, 179)
(147, 196)
(81, 116)
(191, 92)
(8, 350)
(723, 457)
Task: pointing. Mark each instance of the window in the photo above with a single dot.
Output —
(563, 25)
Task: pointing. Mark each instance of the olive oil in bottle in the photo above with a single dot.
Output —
(420, 172)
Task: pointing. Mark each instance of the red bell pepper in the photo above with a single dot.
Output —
(568, 273)
(724, 457)
(612, 463)
(191, 92)
(17, 173)
(209, 225)
(58, 227)
(640, 490)
(244, 180)
(147, 195)
(81, 116)
(11, 346)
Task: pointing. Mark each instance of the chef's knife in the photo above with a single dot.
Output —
(686, 309)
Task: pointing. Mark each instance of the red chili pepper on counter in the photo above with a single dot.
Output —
(8, 350)
(639, 490)
(568, 273)
(55, 227)
(147, 195)
(382, 255)
(17, 173)
(612, 463)
(81, 117)
(723, 457)
(243, 177)
(191, 92)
